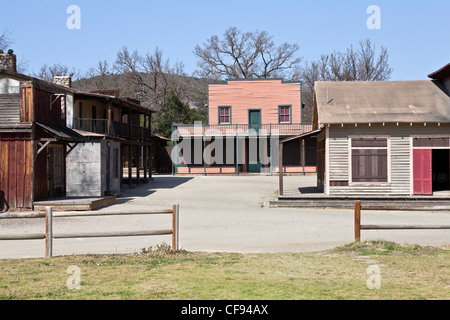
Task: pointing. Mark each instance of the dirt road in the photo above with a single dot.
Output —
(222, 213)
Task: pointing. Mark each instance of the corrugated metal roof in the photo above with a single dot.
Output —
(340, 102)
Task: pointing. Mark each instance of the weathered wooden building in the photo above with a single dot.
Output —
(383, 137)
(247, 118)
(118, 148)
(34, 139)
(56, 141)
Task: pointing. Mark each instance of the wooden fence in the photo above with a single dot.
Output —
(49, 235)
(359, 226)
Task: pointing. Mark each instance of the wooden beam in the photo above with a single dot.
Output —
(175, 226)
(130, 166)
(137, 161)
(109, 122)
(145, 160)
(111, 234)
(22, 236)
(71, 148)
(357, 220)
(400, 227)
(43, 147)
(48, 231)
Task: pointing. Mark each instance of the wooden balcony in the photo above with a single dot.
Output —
(115, 129)
(271, 129)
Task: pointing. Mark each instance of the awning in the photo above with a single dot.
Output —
(301, 136)
(61, 133)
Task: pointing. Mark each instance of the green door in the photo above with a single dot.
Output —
(254, 122)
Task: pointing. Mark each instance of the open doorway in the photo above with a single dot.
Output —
(440, 169)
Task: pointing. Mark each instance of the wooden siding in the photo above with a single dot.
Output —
(399, 162)
(47, 108)
(26, 104)
(243, 95)
(9, 109)
(16, 154)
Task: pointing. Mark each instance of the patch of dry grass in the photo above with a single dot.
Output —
(405, 272)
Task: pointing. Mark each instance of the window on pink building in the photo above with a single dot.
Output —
(224, 115)
(284, 114)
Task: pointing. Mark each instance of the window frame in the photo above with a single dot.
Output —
(219, 108)
(388, 159)
(279, 113)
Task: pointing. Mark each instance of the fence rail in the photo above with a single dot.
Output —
(48, 235)
(359, 226)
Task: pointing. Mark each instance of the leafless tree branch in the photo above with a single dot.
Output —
(245, 55)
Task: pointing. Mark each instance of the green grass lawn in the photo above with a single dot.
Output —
(401, 272)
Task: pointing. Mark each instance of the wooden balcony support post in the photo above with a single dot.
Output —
(130, 165)
(109, 122)
(137, 161)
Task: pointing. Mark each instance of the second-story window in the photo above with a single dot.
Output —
(224, 115)
(284, 113)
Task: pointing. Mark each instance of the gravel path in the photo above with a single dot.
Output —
(222, 213)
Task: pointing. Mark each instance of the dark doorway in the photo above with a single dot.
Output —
(440, 169)
(254, 125)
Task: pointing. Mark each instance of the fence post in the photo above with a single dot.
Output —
(48, 231)
(175, 226)
(357, 220)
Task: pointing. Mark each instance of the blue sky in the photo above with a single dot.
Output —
(416, 33)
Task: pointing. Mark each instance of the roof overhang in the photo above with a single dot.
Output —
(442, 73)
(61, 133)
(302, 136)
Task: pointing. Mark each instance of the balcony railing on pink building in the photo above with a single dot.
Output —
(271, 129)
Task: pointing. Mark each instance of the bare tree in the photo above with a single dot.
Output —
(95, 78)
(245, 55)
(361, 64)
(47, 72)
(152, 76)
(5, 40)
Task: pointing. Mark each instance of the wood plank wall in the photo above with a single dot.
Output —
(266, 95)
(47, 108)
(16, 156)
(399, 150)
(26, 104)
(9, 109)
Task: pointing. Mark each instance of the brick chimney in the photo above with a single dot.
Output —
(65, 81)
(8, 62)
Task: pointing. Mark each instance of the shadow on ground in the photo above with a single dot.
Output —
(305, 190)
(144, 190)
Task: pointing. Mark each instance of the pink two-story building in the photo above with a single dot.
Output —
(247, 119)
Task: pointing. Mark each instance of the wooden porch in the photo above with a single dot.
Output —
(312, 197)
(75, 203)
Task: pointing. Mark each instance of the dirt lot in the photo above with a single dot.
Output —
(222, 213)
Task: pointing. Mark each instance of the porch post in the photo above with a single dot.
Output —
(130, 165)
(137, 161)
(303, 155)
(280, 169)
(109, 122)
(144, 161)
